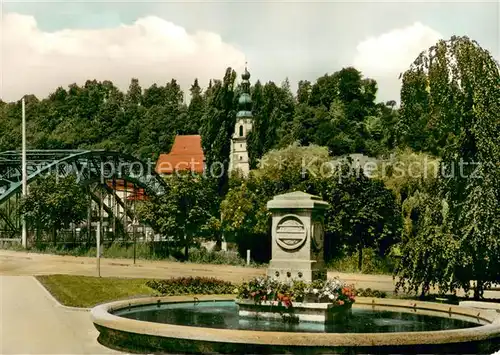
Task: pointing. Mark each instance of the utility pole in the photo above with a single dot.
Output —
(24, 237)
(134, 226)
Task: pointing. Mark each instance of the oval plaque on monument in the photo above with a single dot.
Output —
(290, 233)
(318, 235)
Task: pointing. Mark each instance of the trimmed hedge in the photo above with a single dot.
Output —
(192, 286)
(370, 293)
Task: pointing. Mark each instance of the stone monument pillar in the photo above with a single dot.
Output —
(297, 237)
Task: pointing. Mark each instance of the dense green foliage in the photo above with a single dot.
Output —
(362, 212)
(338, 111)
(192, 286)
(218, 127)
(452, 93)
(54, 203)
(189, 208)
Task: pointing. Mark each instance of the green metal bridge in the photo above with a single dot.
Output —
(112, 180)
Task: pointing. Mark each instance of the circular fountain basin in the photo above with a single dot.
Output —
(212, 325)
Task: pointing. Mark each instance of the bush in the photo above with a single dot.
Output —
(372, 263)
(120, 250)
(192, 286)
(204, 256)
(370, 293)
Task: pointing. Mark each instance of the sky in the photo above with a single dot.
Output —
(45, 44)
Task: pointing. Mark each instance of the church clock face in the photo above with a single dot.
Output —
(318, 234)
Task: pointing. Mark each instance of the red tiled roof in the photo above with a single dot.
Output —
(186, 154)
(138, 196)
(121, 184)
(132, 194)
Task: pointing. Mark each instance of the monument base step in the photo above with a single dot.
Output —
(287, 273)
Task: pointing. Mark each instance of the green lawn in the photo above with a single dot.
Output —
(88, 291)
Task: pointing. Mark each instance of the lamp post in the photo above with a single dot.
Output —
(24, 238)
(134, 226)
(98, 248)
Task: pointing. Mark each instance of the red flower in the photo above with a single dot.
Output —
(341, 302)
(286, 301)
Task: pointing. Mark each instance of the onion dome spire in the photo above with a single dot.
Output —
(245, 101)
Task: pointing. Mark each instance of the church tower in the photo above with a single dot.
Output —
(244, 120)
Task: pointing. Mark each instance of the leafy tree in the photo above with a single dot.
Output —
(288, 166)
(324, 91)
(407, 172)
(153, 96)
(362, 213)
(195, 111)
(427, 245)
(256, 137)
(110, 117)
(187, 210)
(134, 93)
(339, 112)
(128, 137)
(218, 128)
(273, 112)
(304, 91)
(10, 124)
(54, 203)
(454, 88)
(284, 116)
(245, 220)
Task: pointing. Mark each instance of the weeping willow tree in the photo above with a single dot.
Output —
(452, 93)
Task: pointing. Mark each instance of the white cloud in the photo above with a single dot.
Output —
(384, 57)
(151, 49)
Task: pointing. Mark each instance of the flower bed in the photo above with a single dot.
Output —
(315, 301)
(191, 285)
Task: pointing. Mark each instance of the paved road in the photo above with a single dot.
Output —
(22, 263)
(31, 322)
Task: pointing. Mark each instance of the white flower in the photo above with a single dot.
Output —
(331, 297)
(315, 290)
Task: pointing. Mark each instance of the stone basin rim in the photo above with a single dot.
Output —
(102, 317)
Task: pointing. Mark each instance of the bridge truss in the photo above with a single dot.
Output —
(113, 181)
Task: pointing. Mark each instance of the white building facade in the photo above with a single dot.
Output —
(238, 159)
